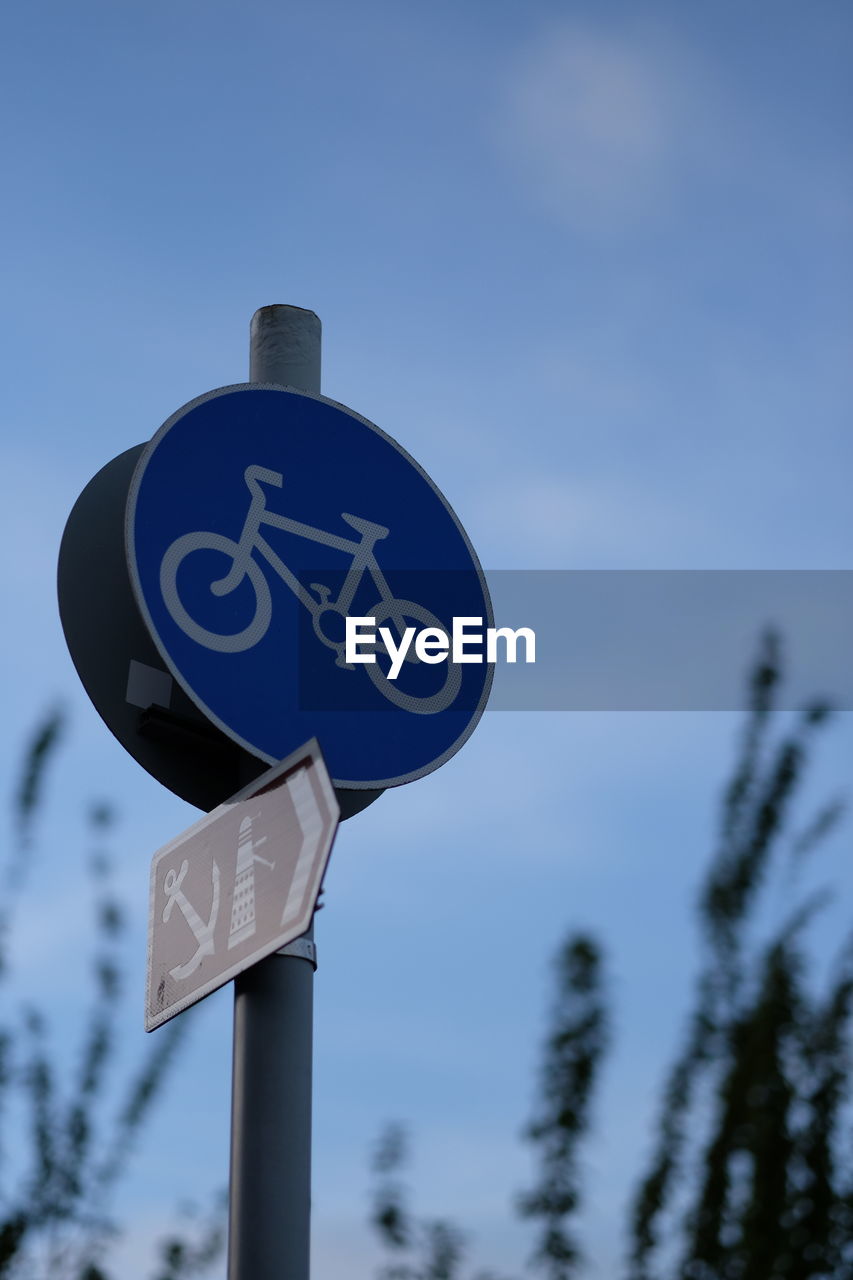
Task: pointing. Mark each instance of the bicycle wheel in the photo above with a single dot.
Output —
(236, 641)
(400, 612)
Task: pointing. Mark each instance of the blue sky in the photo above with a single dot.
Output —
(591, 265)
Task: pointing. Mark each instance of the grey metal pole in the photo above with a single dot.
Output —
(270, 1184)
(285, 347)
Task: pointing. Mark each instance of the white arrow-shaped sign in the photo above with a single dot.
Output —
(236, 906)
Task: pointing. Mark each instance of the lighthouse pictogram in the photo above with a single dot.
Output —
(243, 901)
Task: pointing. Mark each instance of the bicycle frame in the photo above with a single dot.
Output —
(316, 600)
(363, 559)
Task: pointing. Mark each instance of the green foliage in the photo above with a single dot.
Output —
(182, 1257)
(390, 1216)
(436, 1250)
(768, 1201)
(40, 751)
(81, 1122)
(418, 1249)
(573, 1052)
(749, 1178)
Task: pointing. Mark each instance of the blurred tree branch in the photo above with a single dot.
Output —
(55, 1194)
(749, 1177)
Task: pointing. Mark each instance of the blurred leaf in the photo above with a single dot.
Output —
(37, 756)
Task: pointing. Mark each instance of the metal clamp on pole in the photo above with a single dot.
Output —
(270, 1186)
(303, 948)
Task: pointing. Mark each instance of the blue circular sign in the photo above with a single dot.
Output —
(259, 520)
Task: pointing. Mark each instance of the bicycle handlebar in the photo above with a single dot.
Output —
(254, 475)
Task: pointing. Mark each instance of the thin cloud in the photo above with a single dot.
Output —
(621, 126)
(590, 122)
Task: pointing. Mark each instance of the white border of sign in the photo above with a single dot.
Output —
(347, 784)
(309, 754)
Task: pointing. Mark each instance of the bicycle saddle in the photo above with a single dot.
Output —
(366, 527)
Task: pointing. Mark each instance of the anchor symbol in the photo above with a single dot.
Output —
(203, 932)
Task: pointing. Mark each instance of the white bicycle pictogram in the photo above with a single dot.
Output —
(327, 613)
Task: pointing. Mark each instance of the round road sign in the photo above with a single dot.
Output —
(258, 519)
